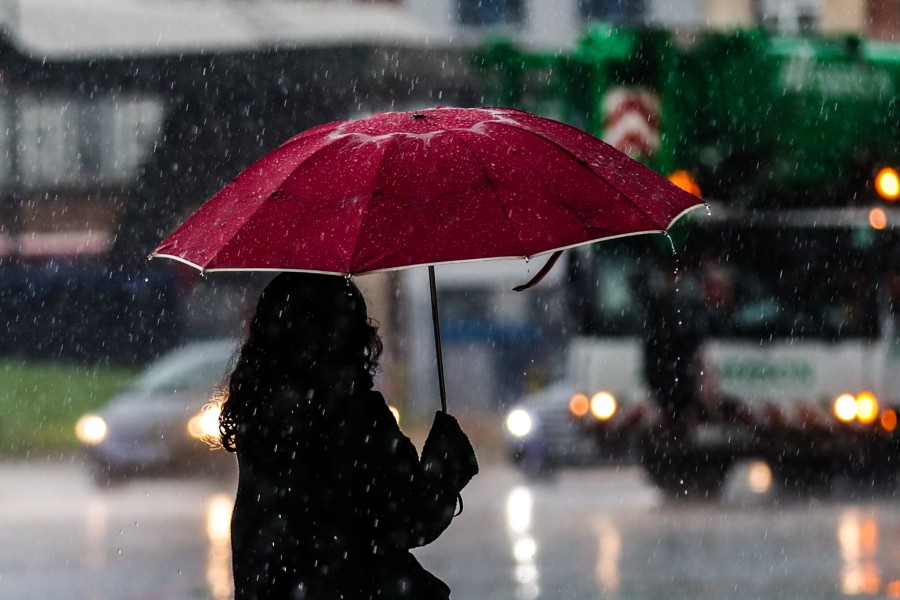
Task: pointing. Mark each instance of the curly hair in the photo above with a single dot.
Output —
(309, 331)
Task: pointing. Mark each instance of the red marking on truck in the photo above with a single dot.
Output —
(631, 121)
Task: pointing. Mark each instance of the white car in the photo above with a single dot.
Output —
(555, 429)
(166, 420)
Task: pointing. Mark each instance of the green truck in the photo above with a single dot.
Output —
(795, 145)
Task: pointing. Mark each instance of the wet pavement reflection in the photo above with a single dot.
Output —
(519, 504)
(598, 533)
(218, 561)
(606, 533)
(156, 539)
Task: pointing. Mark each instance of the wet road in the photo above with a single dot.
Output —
(600, 533)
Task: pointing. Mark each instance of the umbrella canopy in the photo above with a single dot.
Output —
(422, 188)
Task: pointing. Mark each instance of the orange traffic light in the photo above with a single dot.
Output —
(887, 183)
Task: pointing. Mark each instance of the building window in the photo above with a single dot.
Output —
(48, 152)
(789, 16)
(619, 12)
(85, 142)
(490, 12)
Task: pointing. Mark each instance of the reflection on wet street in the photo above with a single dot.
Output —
(63, 537)
(218, 562)
(519, 505)
(606, 534)
(599, 533)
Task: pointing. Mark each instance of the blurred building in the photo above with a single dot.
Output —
(559, 22)
(88, 89)
(118, 118)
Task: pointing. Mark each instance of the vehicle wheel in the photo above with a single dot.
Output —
(807, 479)
(534, 465)
(679, 472)
(876, 479)
(684, 479)
(104, 476)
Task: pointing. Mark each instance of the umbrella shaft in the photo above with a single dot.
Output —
(437, 338)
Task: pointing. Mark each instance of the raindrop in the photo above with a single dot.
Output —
(671, 242)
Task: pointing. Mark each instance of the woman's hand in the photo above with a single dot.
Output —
(448, 452)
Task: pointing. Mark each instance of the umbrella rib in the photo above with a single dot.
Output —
(493, 186)
(588, 167)
(574, 213)
(262, 202)
(362, 219)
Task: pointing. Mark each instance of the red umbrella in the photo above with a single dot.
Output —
(421, 188)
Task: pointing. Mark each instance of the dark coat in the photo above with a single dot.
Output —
(329, 505)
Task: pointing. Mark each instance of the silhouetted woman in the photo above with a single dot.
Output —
(331, 495)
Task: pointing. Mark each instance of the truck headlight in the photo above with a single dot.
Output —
(519, 423)
(845, 407)
(863, 408)
(866, 408)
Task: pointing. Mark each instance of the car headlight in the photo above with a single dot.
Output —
(91, 429)
(205, 424)
(395, 412)
(603, 405)
(519, 423)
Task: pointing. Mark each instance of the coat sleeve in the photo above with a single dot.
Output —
(410, 501)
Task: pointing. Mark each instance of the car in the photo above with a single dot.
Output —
(555, 429)
(166, 421)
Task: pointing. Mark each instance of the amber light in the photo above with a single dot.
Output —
(878, 219)
(685, 181)
(579, 405)
(889, 419)
(887, 183)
